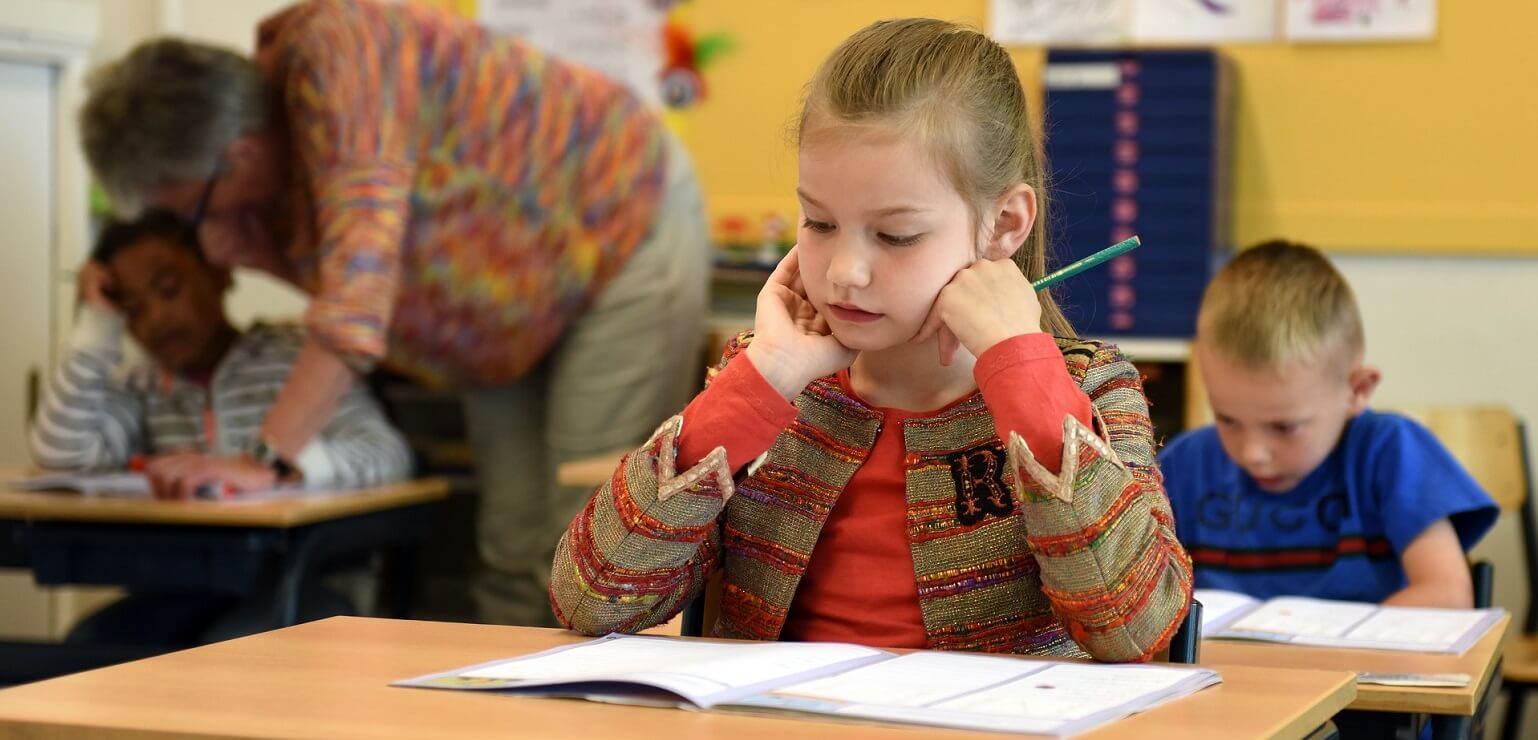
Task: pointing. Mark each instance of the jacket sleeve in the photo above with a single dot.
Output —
(1101, 528)
(647, 540)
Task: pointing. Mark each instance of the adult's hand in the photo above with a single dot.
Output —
(180, 475)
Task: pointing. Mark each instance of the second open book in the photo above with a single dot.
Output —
(962, 690)
(1347, 624)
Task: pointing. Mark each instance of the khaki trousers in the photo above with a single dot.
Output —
(630, 362)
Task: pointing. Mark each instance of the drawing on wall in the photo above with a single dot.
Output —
(620, 38)
(1059, 21)
(1361, 20)
(1204, 21)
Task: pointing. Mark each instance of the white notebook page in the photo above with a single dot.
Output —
(1304, 617)
(1404, 625)
(694, 670)
(914, 680)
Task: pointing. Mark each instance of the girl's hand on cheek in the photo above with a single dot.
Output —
(792, 344)
(984, 304)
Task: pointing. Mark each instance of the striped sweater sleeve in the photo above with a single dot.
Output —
(1101, 527)
(358, 447)
(86, 421)
(647, 540)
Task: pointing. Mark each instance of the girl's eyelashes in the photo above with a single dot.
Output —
(823, 227)
(900, 241)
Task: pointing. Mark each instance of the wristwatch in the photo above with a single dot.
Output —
(268, 456)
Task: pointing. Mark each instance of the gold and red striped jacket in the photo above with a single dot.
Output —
(1085, 561)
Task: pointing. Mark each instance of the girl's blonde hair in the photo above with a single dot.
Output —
(959, 91)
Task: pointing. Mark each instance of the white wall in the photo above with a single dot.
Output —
(1456, 330)
(1459, 330)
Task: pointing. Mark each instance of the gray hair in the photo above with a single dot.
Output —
(164, 113)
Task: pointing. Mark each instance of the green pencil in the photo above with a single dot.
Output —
(1104, 255)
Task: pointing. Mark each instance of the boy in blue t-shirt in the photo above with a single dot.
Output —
(1299, 489)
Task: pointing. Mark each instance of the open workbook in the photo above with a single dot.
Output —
(946, 689)
(1349, 624)
(127, 484)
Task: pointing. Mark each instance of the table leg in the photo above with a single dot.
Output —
(311, 547)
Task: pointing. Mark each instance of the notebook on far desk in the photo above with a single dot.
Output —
(1346, 624)
(124, 484)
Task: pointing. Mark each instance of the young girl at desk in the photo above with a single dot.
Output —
(939, 462)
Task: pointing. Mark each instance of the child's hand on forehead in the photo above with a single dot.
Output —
(95, 287)
(984, 304)
(792, 344)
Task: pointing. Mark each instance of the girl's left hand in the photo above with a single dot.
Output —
(983, 304)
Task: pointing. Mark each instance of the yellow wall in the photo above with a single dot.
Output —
(1389, 147)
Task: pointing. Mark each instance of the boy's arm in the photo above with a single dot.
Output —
(85, 422)
(1098, 521)
(1432, 510)
(1436, 569)
(357, 447)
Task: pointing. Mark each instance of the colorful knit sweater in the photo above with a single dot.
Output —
(1081, 562)
(469, 194)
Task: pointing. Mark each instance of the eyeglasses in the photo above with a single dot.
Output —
(201, 210)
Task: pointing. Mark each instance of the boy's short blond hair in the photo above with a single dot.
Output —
(1279, 302)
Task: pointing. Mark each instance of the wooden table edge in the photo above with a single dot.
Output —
(1321, 712)
(35, 506)
(1460, 705)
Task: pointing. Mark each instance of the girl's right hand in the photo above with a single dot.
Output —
(792, 343)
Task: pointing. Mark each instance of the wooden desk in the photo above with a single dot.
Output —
(225, 546)
(271, 548)
(330, 679)
(589, 472)
(1479, 661)
(297, 511)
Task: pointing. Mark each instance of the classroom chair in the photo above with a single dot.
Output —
(1491, 443)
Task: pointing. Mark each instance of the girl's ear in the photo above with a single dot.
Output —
(1010, 220)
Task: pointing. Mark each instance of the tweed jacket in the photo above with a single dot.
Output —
(1008, 556)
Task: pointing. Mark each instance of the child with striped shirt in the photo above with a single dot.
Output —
(194, 411)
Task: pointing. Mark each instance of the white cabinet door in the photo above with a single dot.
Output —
(26, 244)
